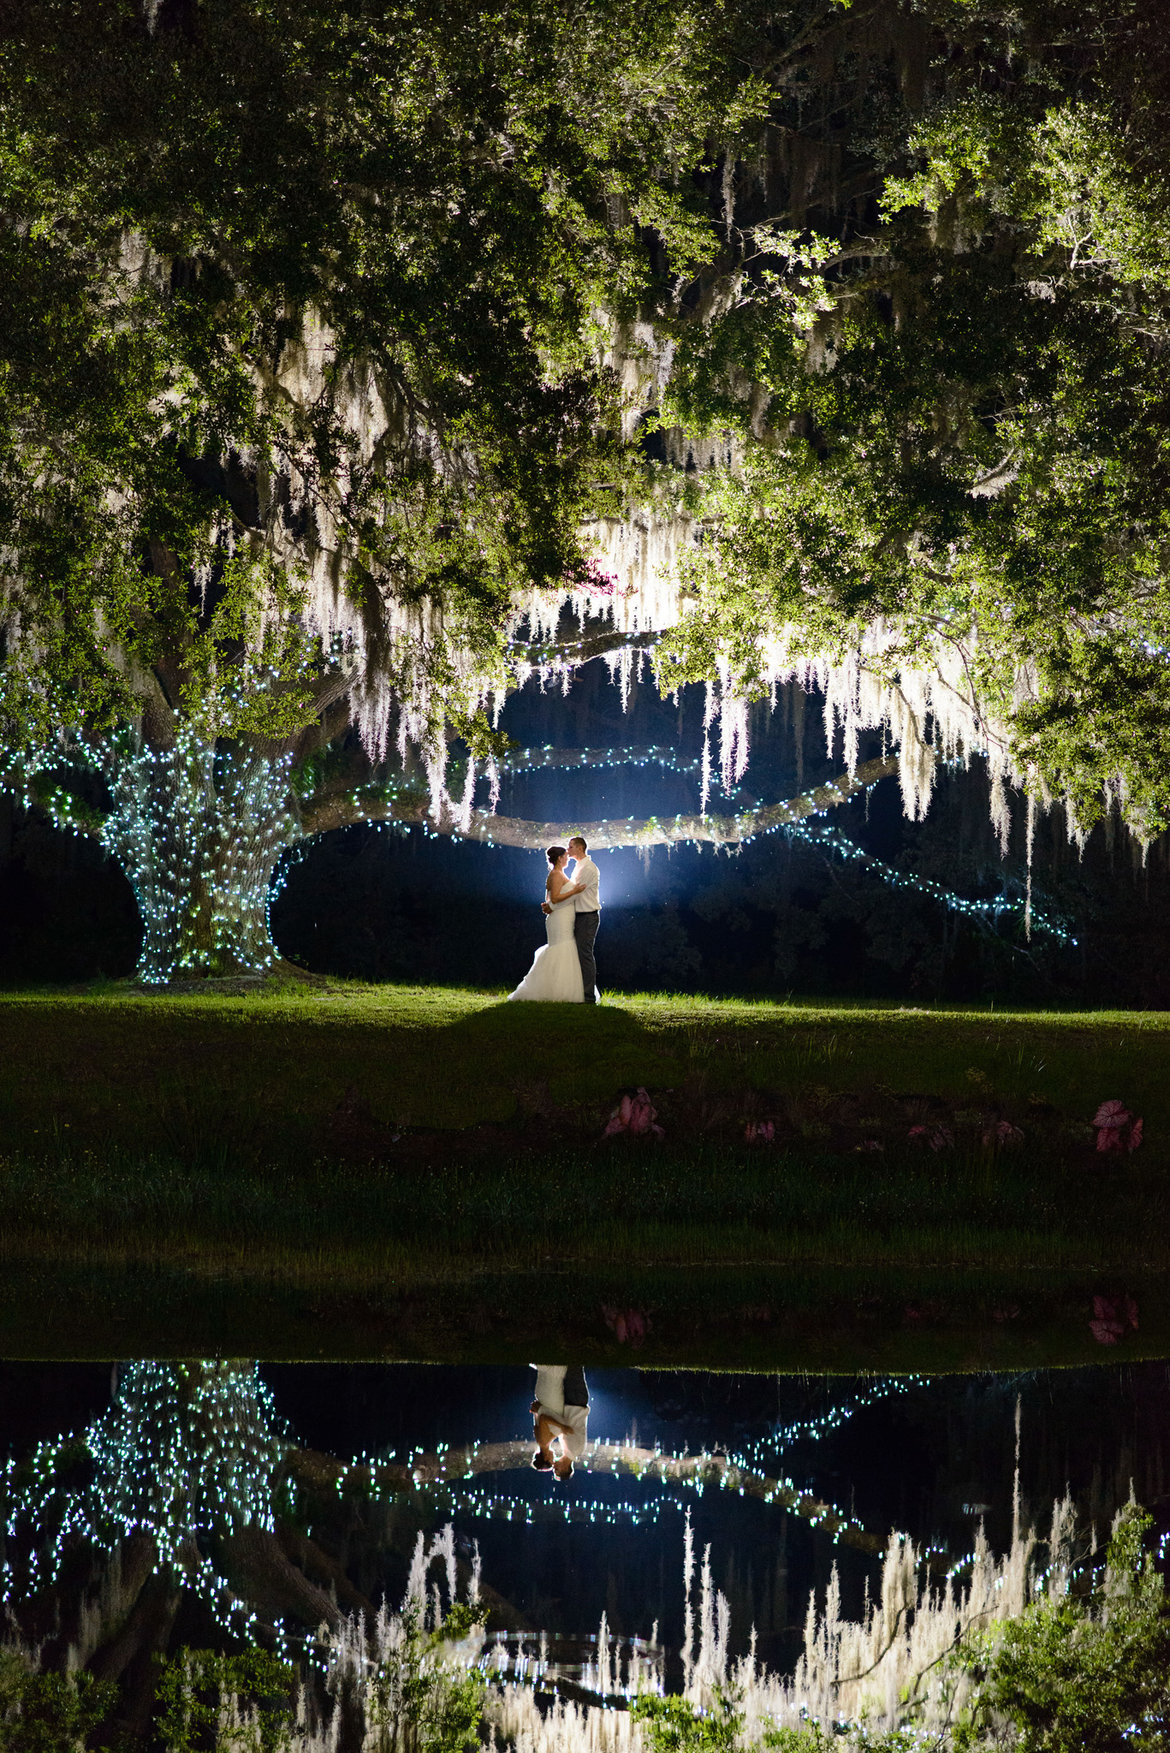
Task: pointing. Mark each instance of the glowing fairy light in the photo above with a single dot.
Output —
(548, 757)
(197, 827)
(208, 832)
(798, 818)
(832, 840)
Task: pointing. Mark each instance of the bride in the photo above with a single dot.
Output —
(555, 973)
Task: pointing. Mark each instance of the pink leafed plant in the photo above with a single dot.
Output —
(635, 1115)
(760, 1132)
(1113, 1318)
(1003, 1133)
(1116, 1127)
(938, 1137)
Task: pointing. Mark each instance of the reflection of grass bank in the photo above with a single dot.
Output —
(418, 1153)
(756, 1317)
(784, 1259)
(622, 1206)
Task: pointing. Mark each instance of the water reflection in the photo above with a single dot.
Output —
(210, 1504)
(560, 1418)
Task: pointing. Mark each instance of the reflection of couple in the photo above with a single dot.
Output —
(564, 971)
(560, 1417)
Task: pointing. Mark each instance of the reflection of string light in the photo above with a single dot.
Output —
(693, 1474)
(184, 1449)
(511, 1656)
(491, 1506)
(813, 1429)
(739, 1472)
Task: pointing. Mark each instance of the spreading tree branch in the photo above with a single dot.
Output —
(583, 650)
(319, 816)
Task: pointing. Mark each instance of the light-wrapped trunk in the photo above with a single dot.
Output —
(198, 829)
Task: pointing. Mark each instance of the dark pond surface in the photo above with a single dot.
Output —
(799, 1475)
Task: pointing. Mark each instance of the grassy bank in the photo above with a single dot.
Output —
(417, 1171)
(270, 1070)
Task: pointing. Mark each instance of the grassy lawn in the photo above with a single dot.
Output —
(389, 1170)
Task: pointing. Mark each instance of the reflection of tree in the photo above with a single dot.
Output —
(178, 1483)
(187, 1490)
(186, 1516)
(447, 1470)
(183, 1511)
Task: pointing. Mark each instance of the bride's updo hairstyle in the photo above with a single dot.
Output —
(552, 853)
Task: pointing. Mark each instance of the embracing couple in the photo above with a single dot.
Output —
(564, 971)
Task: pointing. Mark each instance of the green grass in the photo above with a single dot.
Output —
(381, 1162)
(267, 1067)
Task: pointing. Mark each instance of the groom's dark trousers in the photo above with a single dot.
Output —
(585, 933)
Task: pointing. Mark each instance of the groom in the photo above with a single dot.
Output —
(587, 907)
(560, 1415)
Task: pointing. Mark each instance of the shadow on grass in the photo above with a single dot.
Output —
(606, 1024)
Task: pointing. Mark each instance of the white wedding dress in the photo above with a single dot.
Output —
(555, 974)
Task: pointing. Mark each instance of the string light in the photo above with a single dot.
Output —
(791, 818)
(832, 840)
(669, 759)
(787, 818)
(207, 836)
(197, 827)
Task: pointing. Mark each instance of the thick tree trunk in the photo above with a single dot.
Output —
(198, 830)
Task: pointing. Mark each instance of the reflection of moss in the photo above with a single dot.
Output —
(49, 1711)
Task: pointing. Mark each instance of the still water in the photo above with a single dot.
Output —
(282, 1496)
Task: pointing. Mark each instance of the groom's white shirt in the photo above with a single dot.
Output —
(550, 1389)
(589, 901)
